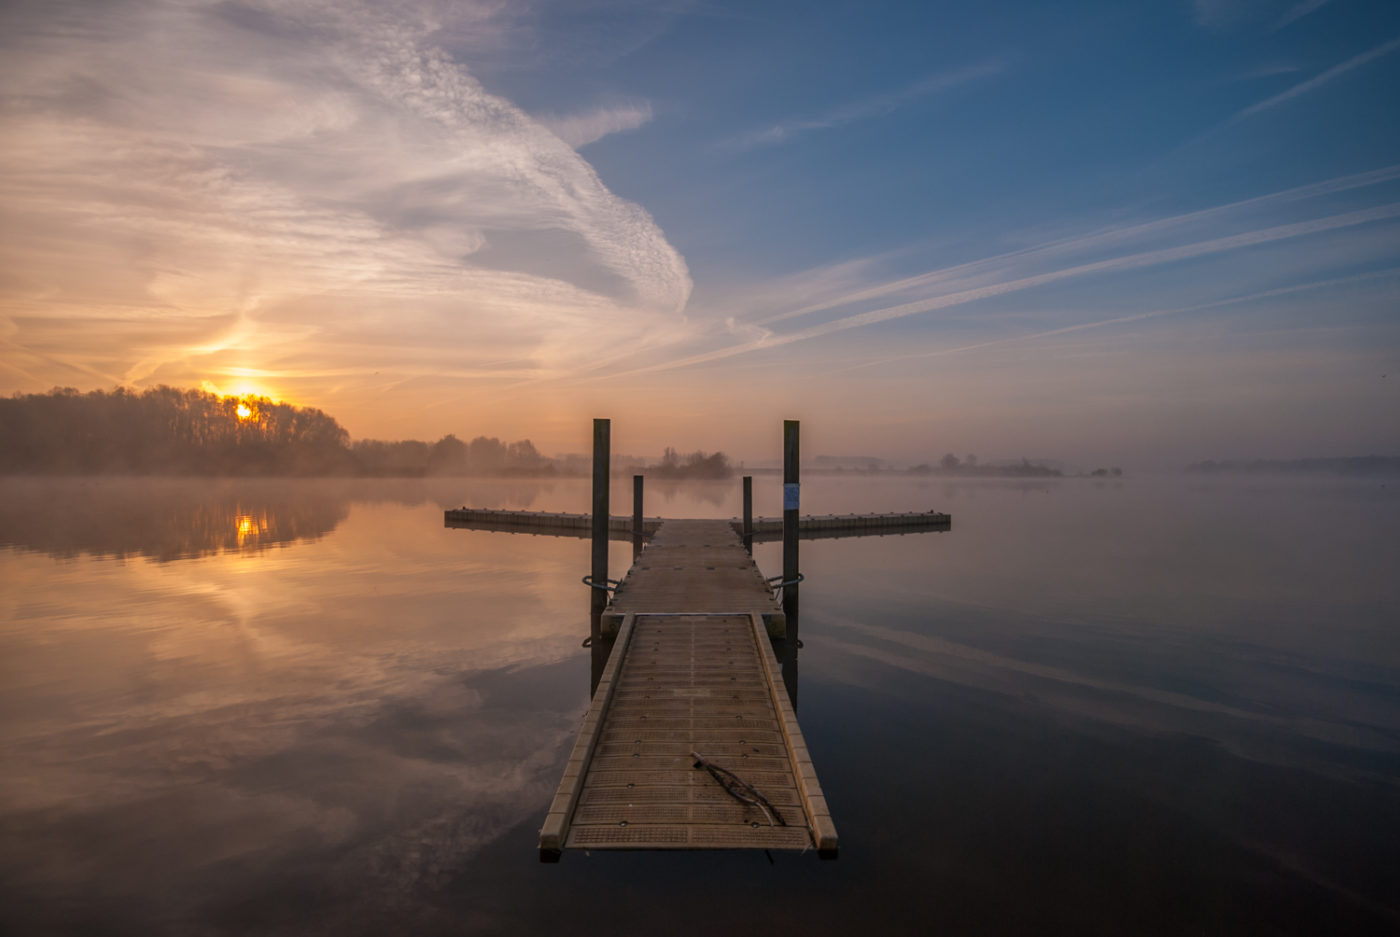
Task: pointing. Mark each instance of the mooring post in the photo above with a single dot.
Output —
(602, 446)
(748, 513)
(636, 515)
(791, 505)
(791, 502)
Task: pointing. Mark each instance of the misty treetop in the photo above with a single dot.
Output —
(695, 465)
(950, 464)
(484, 455)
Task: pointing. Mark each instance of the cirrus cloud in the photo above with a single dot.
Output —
(190, 188)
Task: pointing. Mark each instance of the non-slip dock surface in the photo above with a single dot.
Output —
(692, 670)
(689, 683)
(694, 566)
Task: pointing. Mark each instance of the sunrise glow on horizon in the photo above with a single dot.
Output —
(1098, 234)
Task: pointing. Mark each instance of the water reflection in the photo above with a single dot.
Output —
(1150, 709)
(184, 518)
(167, 520)
(236, 739)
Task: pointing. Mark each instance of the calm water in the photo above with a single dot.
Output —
(1156, 706)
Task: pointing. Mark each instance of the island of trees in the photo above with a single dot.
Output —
(950, 464)
(169, 431)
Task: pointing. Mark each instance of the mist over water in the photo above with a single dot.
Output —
(1144, 706)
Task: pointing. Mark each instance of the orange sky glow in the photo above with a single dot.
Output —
(371, 212)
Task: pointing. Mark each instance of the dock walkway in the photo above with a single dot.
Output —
(692, 671)
(765, 529)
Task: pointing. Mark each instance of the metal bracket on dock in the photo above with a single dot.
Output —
(612, 584)
(776, 583)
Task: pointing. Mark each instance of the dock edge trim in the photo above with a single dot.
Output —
(561, 810)
(813, 802)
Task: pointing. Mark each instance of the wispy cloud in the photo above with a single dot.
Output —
(1132, 318)
(1127, 249)
(1265, 71)
(1115, 238)
(1114, 265)
(1215, 14)
(1300, 10)
(579, 130)
(867, 108)
(1312, 84)
(323, 176)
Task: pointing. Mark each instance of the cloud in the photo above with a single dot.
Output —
(1312, 84)
(993, 269)
(865, 109)
(321, 173)
(1135, 317)
(579, 130)
(1190, 236)
(1300, 10)
(1117, 264)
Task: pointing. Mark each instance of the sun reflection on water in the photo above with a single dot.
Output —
(250, 528)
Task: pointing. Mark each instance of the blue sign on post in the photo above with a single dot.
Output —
(790, 497)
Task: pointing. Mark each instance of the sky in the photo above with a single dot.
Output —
(1133, 234)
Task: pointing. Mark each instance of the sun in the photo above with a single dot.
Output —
(245, 412)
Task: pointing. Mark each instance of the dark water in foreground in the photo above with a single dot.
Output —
(1159, 706)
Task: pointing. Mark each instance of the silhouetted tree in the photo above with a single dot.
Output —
(696, 465)
(166, 430)
(486, 456)
(448, 457)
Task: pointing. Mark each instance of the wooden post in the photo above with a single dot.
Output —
(791, 500)
(748, 513)
(602, 477)
(791, 508)
(636, 515)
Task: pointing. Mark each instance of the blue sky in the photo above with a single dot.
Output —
(1129, 233)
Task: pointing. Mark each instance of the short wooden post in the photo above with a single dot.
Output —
(748, 513)
(636, 515)
(602, 448)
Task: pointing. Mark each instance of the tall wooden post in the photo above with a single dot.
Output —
(748, 513)
(636, 515)
(602, 448)
(791, 500)
(791, 508)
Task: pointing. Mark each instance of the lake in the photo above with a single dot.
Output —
(1151, 705)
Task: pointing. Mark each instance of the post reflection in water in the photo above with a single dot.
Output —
(786, 647)
(601, 648)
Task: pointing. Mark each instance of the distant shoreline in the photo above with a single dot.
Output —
(1368, 466)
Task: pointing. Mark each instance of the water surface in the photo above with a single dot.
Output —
(1147, 706)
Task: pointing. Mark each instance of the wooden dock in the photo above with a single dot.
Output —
(692, 670)
(543, 522)
(765, 529)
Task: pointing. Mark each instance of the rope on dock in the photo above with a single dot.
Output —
(739, 789)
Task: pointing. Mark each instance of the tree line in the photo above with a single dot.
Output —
(950, 464)
(169, 431)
